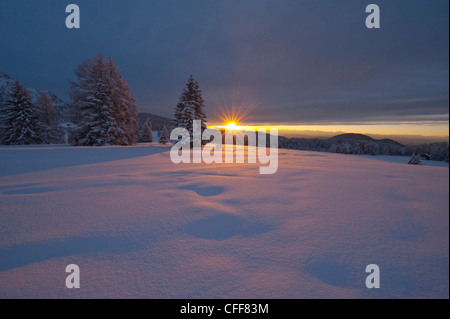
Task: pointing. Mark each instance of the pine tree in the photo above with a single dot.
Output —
(178, 115)
(124, 107)
(104, 105)
(415, 160)
(48, 119)
(19, 120)
(147, 135)
(190, 107)
(333, 148)
(3, 106)
(91, 97)
(164, 136)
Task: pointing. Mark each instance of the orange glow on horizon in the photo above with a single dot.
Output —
(233, 118)
(422, 129)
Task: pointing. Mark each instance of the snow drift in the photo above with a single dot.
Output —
(139, 226)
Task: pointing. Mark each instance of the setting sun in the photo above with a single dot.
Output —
(231, 125)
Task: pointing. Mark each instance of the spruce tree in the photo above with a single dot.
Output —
(19, 120)
(163, 136)
(190, 107)
(91, 96)
(48, 119)
(178, 115)
(124, 107)
(147, 132)
(3, 105)
(104, 105)
(415, 160)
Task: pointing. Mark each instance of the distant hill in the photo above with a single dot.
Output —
(389, 141)
(365, 138)
(353, 136)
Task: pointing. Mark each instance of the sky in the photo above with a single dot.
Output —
(295, 64)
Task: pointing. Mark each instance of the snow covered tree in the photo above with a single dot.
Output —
(346, 149)
(48, 119)
(163, 136)
(124, 108)
(104, 105)
(19, 121)
(374, 149)
(333, 148)
(147, 135)
(415, 160)
(178, 115)
(91, 98)
(3, 106)
(190, 107)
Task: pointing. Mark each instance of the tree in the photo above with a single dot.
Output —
(147, 132)
(124, 107)
(19, 121)
(48, 119)
(163, 136)
(333, 148)
(104, 107)
(3, 106)
(415, 160)
(190, 107)
(91, 99)
(178, 115)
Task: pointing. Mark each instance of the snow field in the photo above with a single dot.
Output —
(139, 226)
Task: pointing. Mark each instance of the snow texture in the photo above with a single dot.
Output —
(139, 226)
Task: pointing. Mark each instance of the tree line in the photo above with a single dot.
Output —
(103, 111)
(432, 151)
(22, 122)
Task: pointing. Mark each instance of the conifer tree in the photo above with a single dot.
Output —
(415, 160)
(147, 132)
(48, 119)
(163, 136)
(124, 108)
(190, 107)
(19, 120)
(104, 105)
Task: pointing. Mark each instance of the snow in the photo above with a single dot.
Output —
(404, 159)
(139, 226)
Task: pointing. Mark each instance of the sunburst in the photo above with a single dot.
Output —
(231, 117)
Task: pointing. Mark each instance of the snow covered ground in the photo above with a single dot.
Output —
(140, 226)
(404, 160)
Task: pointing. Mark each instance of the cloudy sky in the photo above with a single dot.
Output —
(299, 62)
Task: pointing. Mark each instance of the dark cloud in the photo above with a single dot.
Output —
(297, 60)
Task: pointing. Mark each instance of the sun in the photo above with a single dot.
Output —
(230, 118)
